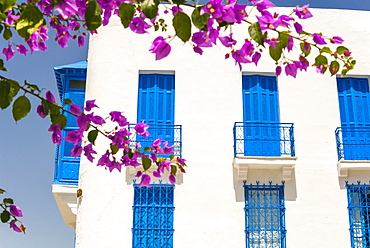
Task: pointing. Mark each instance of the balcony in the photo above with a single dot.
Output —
(263, 139)
(353, 148)
(268, 146)
(170, 133)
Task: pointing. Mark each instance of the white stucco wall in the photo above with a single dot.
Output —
(208, 101)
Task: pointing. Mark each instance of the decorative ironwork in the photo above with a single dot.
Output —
(170, 133)
(264, 215)
(353, 143)
(153, 216)
(359, 214)
(263, 139)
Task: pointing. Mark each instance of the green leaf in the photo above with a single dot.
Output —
(92, 135)
(275, 54)
(182, 24)
(7, 92)
(148, 149)
(173, 169)
(334, 67)
(50, 108)
(179, 1)
(7, 33)
(172, 156)
(93, 16)
(341, 49)
(2, 63)
(326, 50)
(304, 51)
(21, 107)
(2, 191)
(59, 119)
(32, 87)
(67, 101)
(7, 4)
(5, 216)
(344, 72)
(147, 162)
(199, 21)
(114, 149)
(126, 13)
(55, 2)
(255, 33)
(150, 8)
(321, 60)
(8, 201)
(30, 20)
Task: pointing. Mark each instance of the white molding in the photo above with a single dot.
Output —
(344, 166)
(283, 165)
(66, 199)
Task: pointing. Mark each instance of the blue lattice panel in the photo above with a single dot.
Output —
(68, 172)
(153, 216)
(264, 216)
(359, 214)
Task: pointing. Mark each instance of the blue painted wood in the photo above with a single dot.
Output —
(156, 103)
(354, 100)
(260, 109)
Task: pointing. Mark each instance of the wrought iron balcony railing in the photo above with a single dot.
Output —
(353, 143)
(170, 133)
(263, 139)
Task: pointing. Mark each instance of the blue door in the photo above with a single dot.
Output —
(156, 103)
(261, 116)
(354, 99)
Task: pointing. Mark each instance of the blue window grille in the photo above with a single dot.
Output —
(153, 216)
(71, 81)
(263, 139)
(359, 214)
(174, 139)
(353, 137)
(264, 215)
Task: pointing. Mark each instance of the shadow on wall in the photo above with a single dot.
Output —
(264, 176)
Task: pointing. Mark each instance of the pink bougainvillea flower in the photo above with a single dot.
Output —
(303, 13)
(198, 50)
(81, 41)
(347, 53)
(265, 4)
(141, 129)
(56, 136)
(15, 210)
(8, 52)
(214, 8)
(272, 42)
(75, 109)
(256, 57)
(139, 26)
(336, 40)
(160, 47)
(98, 120)
(89, 151)
(21, 49)
(278, 70)
(76, 151)
(40, 111)
(291, 69)
(227, 41)
(104, 159)
(318, 39)
(290, 44)
(181, 160)
(90, 104)
(119, 118)
(15, 227)
(172, 179)
(74, 136)
(67, 8)
(9, 20)
(267, 21)
(298, 27)
(50, 97)
(145, 181)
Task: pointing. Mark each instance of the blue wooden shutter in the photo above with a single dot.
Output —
(354, 99)
(261, 116)
(156, 100)
(68, 168)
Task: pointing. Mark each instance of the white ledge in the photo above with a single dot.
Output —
(66, 199)
(356, 165)
(283, 165)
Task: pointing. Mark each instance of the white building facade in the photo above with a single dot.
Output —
(265, 165)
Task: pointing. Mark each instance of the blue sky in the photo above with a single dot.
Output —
(27, 154)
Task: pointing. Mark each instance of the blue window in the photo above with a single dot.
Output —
(156, 107)
(264, 215)
(261, 116)
(353, 136)
(71, 84)
(153, 216)
(359, 214)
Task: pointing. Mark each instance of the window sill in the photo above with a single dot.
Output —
(66, 199)
(282, 165)
(344, 166)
